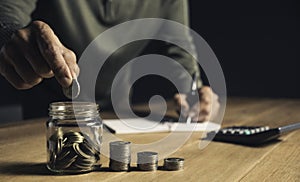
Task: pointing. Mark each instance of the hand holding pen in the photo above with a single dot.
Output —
(200, 105)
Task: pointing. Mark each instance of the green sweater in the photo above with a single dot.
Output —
(78, 22)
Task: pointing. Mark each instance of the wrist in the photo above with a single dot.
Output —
(6, 31)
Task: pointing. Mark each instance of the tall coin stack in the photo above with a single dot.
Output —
(120, 156)
(173, 164)
(147, 161)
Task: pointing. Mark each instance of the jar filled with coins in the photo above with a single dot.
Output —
(74, 137)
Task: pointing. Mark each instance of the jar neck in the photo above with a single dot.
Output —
(73, 110)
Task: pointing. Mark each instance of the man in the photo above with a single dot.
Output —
(40, 39)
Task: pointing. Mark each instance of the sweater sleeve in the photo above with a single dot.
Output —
(13, 16)
(177, 10)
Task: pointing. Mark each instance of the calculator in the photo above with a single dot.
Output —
(250, 135)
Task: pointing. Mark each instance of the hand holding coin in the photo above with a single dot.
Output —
(34, 53)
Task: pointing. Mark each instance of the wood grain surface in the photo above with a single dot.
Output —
(23, 150)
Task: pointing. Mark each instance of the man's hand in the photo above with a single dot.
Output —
(204, 110)
(34, 53)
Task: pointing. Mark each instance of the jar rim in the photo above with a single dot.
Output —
(71, 103)
(70, 108)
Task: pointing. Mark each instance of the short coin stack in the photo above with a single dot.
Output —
(72, 151)
(173, 164)
(147, 161)
(120, 156)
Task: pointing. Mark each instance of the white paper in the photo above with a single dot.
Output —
(140, 125)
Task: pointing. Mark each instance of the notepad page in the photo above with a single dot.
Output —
(140, 125)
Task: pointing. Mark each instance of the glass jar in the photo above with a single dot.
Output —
(74, 137)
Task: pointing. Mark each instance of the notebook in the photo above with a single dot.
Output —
(140, 125)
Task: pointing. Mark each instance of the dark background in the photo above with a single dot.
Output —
(256, 42)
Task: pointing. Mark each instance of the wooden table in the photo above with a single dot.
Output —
(23, 153)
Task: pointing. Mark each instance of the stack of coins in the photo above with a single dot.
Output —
(147, 161)
(72, 151)
(173, 164)
(120, 156)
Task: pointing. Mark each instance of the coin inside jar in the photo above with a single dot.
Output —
(73, 91)
(74, 143)
(73, 151)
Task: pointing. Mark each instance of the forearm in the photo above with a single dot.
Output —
(13, 16)
(186, 54)
(189, 63)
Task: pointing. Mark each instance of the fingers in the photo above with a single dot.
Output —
(70, 59)
(21, 67)
(205, 113)
(200, 112)
(207, 107)
(28, 48)
(25, 68)
(51, 50)
(9, 73)
(206, 94)
(215, 107)
(181, 101)
(60, 60)
(35, 53)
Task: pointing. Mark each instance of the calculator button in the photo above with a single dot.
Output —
(224, 131)
(247, 132)
(241, 132)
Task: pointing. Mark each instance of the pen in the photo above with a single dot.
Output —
(194, 85)
(193, 93)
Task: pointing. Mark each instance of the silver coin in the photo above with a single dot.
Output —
(118, 166)
(73, 151)
(120, 156)
(173, 164)
(66, 158)
(147, 161)
(73, 91)
(147, 167)
(72, 137)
